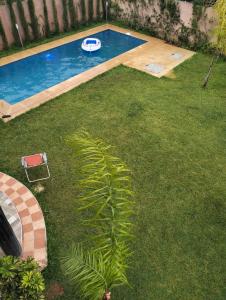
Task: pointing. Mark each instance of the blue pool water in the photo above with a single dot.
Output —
(27, 77)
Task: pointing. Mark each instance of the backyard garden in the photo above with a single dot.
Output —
(162, 142)
(171, 135)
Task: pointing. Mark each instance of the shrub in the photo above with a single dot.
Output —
(20, 279)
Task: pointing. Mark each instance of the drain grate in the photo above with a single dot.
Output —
(176, 56)
(155, 68)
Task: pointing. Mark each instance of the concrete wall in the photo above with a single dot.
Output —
(144, 15)
(143, 10)
(6, 21)
(207, 21)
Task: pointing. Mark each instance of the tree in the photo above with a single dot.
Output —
(219, 43)
(107, 200)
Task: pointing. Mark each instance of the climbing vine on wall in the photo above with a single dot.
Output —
(23, 20)
(163, 21)
(56, 23)
(104, 8)
(200, 38)
(171, 9)
(13, 22)
(83, 11)
(46, 18)
(65, 16)
(72, 16)
(90, 10)
(34, 20)
(98, 12)
(3, 36)
(72, 12)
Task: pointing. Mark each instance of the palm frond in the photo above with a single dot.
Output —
(91, 274)
(107, 199)
(106, 193)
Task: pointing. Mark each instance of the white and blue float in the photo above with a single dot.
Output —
(91, 44)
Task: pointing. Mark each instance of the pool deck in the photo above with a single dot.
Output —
(155, 57)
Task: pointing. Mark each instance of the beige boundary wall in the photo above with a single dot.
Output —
(39, 11)
(144, 12)
(128, 9)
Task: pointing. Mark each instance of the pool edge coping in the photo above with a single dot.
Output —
(65, 40)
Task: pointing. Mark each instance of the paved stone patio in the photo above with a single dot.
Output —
(34, 242)
(155, 51)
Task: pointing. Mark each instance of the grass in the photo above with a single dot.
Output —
(172, 135)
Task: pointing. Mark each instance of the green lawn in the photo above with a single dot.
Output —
(172, 135)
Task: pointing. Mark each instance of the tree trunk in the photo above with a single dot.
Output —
(107, 295)
(206, 79)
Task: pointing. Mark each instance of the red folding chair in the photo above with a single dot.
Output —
(35, 160)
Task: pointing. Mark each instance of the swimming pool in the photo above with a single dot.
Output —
(29, 76)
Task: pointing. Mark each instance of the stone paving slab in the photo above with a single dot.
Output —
(34, 240)
(154, 51)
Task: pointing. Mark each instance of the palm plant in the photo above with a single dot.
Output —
(107, 200)
(91, 273)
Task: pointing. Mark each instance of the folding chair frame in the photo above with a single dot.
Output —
(23, 162)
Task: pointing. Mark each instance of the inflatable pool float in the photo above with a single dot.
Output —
(91, 44)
